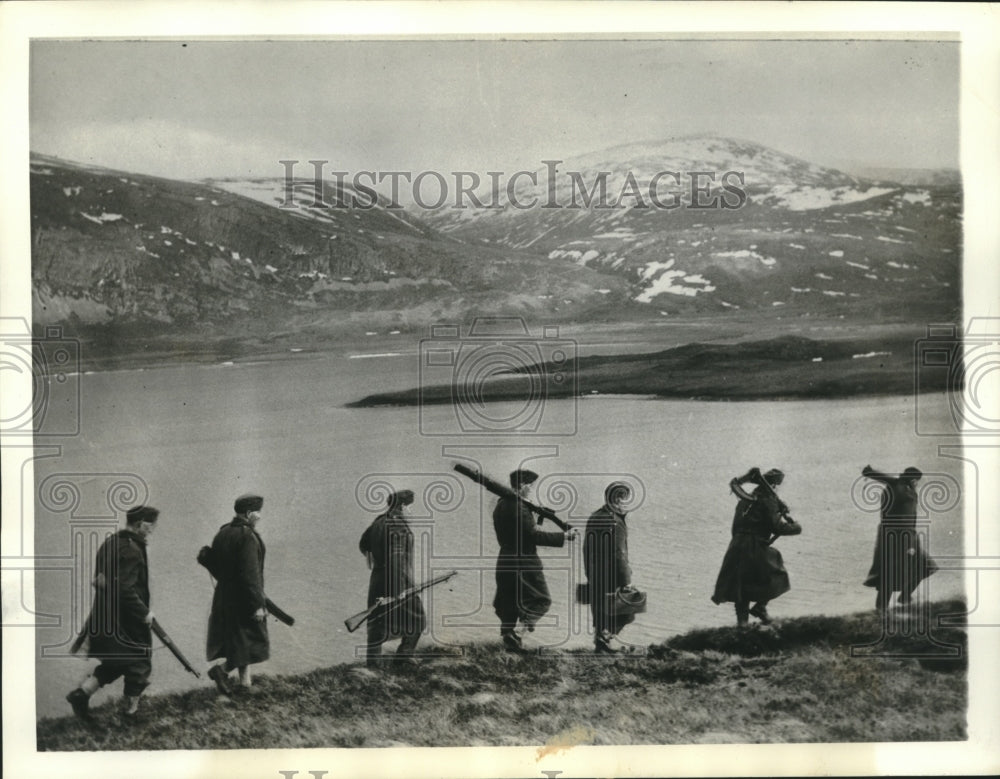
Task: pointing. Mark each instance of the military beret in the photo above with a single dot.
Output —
(248, 502)
(401, 498)
(138, 514)
(774, 477)
(912, 473)
(521, 477)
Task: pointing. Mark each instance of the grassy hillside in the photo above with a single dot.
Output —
(796, 681)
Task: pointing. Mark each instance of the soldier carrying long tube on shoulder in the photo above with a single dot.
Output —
(509, 494)
(522, 593)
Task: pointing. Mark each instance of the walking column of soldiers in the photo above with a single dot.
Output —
(119, 630)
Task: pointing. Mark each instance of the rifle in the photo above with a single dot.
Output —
(278, 613)
(78, 642)
(205, 559)
(506, 492)
(169, 644)
(353, 623)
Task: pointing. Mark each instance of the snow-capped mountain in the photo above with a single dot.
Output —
(728, 224)
(690, 226)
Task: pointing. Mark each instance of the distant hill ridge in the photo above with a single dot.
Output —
(111, 247)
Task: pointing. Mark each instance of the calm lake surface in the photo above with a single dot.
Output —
(196, 436)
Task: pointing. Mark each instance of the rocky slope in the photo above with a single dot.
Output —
(113, 248)
(734, 224)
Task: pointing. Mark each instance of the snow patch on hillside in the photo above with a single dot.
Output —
(746, 254)
(667, 283)
(795, 197)
(653, 267)
(920, 197)
(869, 354)
(104, 217)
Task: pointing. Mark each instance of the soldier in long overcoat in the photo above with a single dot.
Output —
(522, 592)
(752, 569)
(237, 625)
(899, 563)
(117, 631)
(605, 562)
(388, 545)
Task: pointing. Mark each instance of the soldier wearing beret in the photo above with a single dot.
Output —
(752, 569)
(237, 625)
(605, 561)
(118, 628)
(388, 545)
(522, 592)
(899, 563)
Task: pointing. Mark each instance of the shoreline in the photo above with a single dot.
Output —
(804, 679)
(784, 368)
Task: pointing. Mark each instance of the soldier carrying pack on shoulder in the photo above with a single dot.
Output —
(752, 569)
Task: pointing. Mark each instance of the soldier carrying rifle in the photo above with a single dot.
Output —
(118, 629)
(237, 626)
(388, 545)
(752, 569)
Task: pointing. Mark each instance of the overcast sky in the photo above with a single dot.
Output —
(205, 109)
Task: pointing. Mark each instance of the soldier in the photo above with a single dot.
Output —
(605, 561)
(237, 626)
(752, 569)
(388, 545)
(118, 628)
(899, 564)
(522, 593)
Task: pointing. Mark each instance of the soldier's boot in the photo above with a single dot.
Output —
(602, 642)
(882, 600)
(130, 706)
(906, 597)
(218, 675)
(742, 615)
(404, 654)
(511, 641)
(79, 698)
(373, 657)
(80, 702)
(760, 612)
